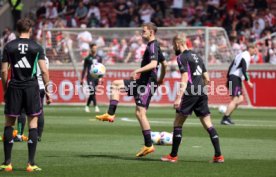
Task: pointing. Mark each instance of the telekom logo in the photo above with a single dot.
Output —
(23, 48)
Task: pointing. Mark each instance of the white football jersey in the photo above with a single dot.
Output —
(39, 75)
(235, 69)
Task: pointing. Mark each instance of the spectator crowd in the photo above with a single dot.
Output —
(245, 21)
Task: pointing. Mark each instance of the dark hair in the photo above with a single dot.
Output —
(150, 26)
(92, 45)
(24, 25)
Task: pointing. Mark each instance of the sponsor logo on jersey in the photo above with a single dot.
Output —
(23, 63)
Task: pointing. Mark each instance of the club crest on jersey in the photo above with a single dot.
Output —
(23, 48)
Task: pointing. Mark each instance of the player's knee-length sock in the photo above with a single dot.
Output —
(8, 143)
(40, 124)
(177, 136)
(112, 107)
(94, 100)
(21, 123)
(89, 100)
(215, 140)
(32, 142)
(147, 137)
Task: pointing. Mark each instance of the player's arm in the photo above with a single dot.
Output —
(230, 68)
(164, 65)
(4, 75)
(182, 85)
(148, 67)
(45, 78)
(153, 54)
(5, 70)
(205, 75)
(244, 72)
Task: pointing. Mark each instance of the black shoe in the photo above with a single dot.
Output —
(230, 120)
(225, 122)
(17, 139)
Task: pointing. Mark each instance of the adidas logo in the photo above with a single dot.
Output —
(198, 71)
(178, 136)
(216, 136)
(30, 142)
(23, 63)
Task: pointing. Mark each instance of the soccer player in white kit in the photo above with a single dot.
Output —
(236, 73)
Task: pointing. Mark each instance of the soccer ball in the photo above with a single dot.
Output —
(166, 138)
(97, 70)
(155, 137)
(222, 109)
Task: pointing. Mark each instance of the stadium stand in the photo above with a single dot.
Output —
(241, 25)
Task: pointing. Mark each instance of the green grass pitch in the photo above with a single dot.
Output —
(74, 144)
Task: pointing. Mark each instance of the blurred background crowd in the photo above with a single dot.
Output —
(245, 21)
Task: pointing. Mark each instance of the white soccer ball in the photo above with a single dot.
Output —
(222, 109)
(166, 138)
(155, 137)
(97, 70)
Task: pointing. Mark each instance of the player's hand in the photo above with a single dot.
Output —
(159, 82)
(250, 84)
(176, 104)
(48, 99)
(206, 82)
(101, 81)
(133, 75)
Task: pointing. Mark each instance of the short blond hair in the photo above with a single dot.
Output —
(180, 37)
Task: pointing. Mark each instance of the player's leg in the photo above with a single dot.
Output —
(185, 109)
(32, 143)
(116, 86)
(207, 124)
(94, 100)
(146, 131)
(13, 106)
(40, 121)
(33, 108)
(21, 121)
(202, 111)
(177, 137)
(235, 88)
(8, 143)
(91, 94)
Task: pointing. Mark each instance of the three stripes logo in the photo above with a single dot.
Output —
(23, 63)
(198, 71)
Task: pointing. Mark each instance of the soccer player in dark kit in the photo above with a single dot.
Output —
(91, 59)
(141, 88)
(22, 91)
(191, 97)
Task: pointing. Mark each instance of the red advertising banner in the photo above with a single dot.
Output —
(66, 88)
(263, 92)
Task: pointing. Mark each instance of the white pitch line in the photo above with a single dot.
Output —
(196, 146)
(126, 119)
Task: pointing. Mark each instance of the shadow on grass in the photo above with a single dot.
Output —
(117, 157)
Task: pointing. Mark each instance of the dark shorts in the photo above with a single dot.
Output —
(198, 104)
(235, 85)
(142, 92)
(92, 84)
(17, 99)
